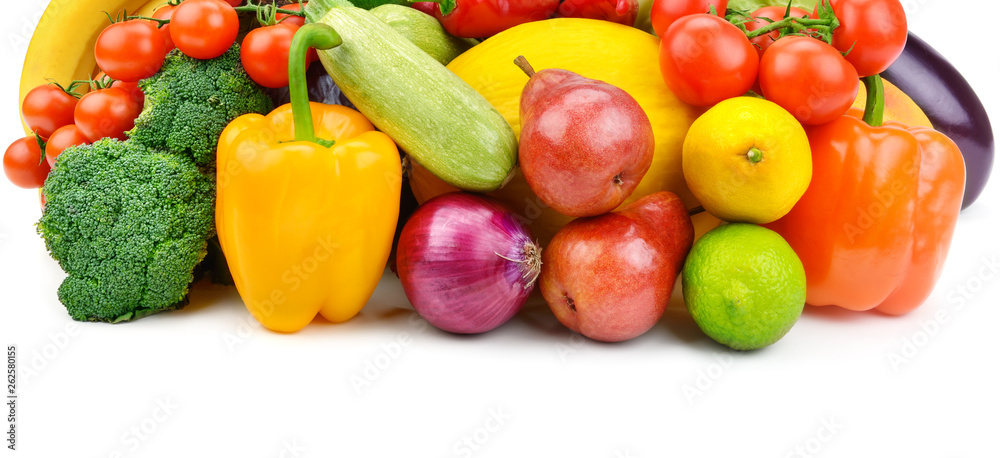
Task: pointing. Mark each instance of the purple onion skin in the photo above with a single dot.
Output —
(449, 266)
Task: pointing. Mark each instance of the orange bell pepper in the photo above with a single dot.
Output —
(306, 226)
(874, 227)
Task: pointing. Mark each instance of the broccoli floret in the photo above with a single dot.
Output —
(190, 101)
(128, 224)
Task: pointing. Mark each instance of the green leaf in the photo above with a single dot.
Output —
(751, 5)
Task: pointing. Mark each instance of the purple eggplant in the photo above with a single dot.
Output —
(951, 105)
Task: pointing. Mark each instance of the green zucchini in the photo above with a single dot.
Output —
(424, 31)
(434, 116)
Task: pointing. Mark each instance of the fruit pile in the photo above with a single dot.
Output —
(549, 144)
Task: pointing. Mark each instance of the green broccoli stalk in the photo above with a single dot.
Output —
(190, 101)
(128, 224)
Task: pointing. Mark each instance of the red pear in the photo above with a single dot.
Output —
(585, 144)
(610, 277)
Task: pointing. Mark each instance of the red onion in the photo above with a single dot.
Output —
(466, 263)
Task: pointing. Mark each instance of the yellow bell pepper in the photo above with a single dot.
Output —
(306, 227)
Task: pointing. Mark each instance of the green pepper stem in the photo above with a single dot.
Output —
(875, 104)
(315, 35)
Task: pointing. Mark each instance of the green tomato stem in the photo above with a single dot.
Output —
(794, 22)
(255, 8)
(821, 27)
(159, 22)
(315, 35)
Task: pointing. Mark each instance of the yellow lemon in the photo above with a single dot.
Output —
(747, 159)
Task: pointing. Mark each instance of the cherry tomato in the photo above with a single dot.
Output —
(666, 12)
(130, 50)
(809, 78)
(234, 2)
(264, 54)
(774, 13)
(47, 108)
(132, 87)
(106, 113)
(427, 8)
(875, 28)
(704, 59)
(63, 138)
(23, 164)
(134, 92)
(292, 19)
(204, 29)
(165, 12)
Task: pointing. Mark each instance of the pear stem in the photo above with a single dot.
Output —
(525, 67)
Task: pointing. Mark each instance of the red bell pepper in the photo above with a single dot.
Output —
(874, 227)
(483, 18)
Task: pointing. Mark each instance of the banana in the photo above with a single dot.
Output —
(62, 46)
(149, 7)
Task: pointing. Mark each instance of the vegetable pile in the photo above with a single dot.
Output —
(190, 101)
(550, 144)
(129, 210)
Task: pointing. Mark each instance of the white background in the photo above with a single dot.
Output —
(170, 385)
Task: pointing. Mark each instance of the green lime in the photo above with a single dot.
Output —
(744, 286)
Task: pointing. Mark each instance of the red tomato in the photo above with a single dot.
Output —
(774, 13)
(61, 139)
(234, 2)
(204, 29)
(164, 13)
(47, 108)
(875, 28)
(704, 59)
(107, 113)
(134, 92)
(264, 54)
(809, 78)
(427, 8)
(291, 19)
(23, 164)
(665, 12)
(130, 50)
